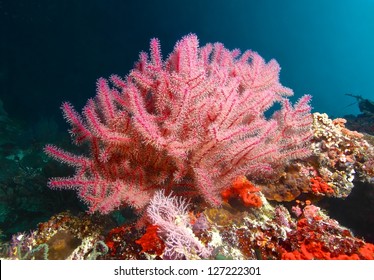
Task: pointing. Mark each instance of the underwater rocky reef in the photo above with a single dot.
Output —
(181, 160)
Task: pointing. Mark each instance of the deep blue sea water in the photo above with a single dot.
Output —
(52, 51)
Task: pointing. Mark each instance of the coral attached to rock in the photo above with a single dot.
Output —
(196, 120)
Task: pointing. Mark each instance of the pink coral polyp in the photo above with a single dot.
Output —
(195, 119)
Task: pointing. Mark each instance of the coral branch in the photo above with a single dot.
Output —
(196, 118)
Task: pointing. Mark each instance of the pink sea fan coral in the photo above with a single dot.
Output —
(196, 118)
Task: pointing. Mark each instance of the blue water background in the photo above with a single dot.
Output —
(53, 51)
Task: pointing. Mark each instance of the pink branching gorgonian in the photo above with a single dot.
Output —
(196, 118)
